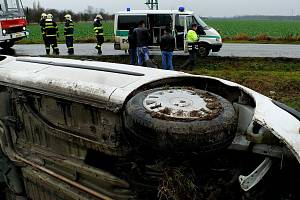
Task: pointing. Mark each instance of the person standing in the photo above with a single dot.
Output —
(132, 47)
(167, 46)
(69, 33)
(98, 29)
(42, 25)
(192, 41)
(142, 38)
(51, 34)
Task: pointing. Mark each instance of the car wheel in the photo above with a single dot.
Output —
(7, 45)
(203, 50)
(180, 120)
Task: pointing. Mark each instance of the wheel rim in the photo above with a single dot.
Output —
(179, 103)
(202, 51)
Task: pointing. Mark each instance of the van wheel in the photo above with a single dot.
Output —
(180, 120)
(203, 50)
(7, 45)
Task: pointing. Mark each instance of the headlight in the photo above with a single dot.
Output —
(24, 28)
(219, 39)
(4, 32)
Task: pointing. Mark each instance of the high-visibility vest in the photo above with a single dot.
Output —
(98, 28)
(69, 28)
(50, 28)
(192, 36)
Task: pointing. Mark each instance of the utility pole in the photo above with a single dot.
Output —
(152, 4)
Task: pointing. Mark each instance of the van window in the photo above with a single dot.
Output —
(162, 20)
(179, 23)
(127, 21)
(191, 20)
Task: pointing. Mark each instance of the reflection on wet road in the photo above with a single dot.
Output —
(231, 50)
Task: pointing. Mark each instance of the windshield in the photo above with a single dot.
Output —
(11, 8)
(190, 19)
(201, 22)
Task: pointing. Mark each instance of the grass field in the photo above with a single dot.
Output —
(83, 32)
(278, 78)
(257, 30)
(267, 31)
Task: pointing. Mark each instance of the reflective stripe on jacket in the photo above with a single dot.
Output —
(50, 28)
(69, 28)
(98, 28)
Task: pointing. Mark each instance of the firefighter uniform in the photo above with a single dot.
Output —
(69, 34)
(98, 29)
(42, 25)
(51, 33)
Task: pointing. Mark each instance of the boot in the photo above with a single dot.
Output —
(56, 52)
(99, 51)
(71, 52)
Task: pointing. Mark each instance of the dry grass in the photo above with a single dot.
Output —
(241, 36)
(177, 183)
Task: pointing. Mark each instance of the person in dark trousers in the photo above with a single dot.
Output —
(142, 38)
(167, 46)
(98, 29)
(69, 34)
(51, 34)
(192, 41)
(132, 47)
(42, 25)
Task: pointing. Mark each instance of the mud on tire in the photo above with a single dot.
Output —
(169, 132)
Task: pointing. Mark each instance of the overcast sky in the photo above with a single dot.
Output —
(202, 7)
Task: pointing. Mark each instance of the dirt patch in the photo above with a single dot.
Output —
(214, 108)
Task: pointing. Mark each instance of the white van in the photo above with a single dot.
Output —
(157, 20)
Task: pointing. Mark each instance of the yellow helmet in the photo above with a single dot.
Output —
(68, 17)
(99, 16)
(49, 16)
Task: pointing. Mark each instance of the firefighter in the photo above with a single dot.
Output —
(69, 33)
(51, 34)
(42, 25)
(98, 28)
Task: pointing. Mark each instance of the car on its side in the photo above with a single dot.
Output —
(66, 124)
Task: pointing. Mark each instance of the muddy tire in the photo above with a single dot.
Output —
(203, 50)
(177, 120)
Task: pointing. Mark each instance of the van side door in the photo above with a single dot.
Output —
(180, 31)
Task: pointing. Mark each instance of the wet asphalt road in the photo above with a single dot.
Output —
(231, 50)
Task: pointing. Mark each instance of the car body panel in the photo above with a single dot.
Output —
(113, 89)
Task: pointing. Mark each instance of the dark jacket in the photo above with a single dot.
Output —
(69, 28)
(167, 43)
(131, 41)
(42, 25)
(98, 28)
(141, 36)
(50, 28)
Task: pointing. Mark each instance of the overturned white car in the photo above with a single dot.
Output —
(65, 126)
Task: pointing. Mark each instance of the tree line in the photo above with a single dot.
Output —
(33, 14)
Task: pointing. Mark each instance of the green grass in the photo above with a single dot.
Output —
(83, 32)
(266, 31)
(273, 28)
(257, 30)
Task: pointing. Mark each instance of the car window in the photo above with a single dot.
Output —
(125, 22)
(179, 23)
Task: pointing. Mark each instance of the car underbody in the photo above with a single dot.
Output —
(91, 130)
